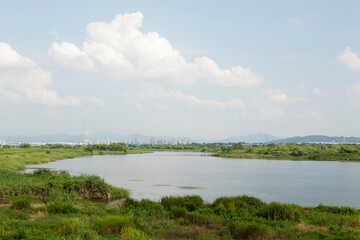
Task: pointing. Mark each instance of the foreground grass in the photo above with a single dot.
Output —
(62, 211)
(293, 152)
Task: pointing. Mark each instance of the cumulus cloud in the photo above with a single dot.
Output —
(96, 101)
(10, 58)
(121, 48)
(31, 82)
(71, 56)
(276, 95)
(350, 59)
(159, 92)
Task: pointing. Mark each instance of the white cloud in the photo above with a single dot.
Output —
(30, 83)
(276, 105)
(10, 58)
(33, 84)
(69, 55)
(276, 95)
(121, 48)
(96, 101)
(350, 59)
(159, 92)
(317, 91)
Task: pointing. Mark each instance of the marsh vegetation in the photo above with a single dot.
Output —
(345, 152)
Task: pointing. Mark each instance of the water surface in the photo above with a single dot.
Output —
(154, 175)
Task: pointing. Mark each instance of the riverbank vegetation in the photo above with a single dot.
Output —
(344, 152)
(54, 205)
(178, 148)
(17, 158)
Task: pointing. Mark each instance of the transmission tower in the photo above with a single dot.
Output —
(86, 137)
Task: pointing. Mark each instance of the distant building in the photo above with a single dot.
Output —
(153, 141)
(162, 142)
(135, 141)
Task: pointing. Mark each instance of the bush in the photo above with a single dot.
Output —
(338, 210)
(21, 202)
(145, 205)
(234, 204)
(278, 211)
(129, 233)
(178, 211)
(244, 230)
(113, 224)
(191, 203)
(42, 171)
(61, 208)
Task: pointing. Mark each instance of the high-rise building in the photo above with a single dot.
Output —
(135, 141)
(153, 141)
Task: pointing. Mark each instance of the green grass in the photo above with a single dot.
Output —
(15, 159)
(293, 152)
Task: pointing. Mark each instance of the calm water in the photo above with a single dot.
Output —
(151, 176)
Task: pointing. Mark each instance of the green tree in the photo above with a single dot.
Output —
(24, 145)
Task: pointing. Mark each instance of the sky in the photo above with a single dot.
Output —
(208, 69)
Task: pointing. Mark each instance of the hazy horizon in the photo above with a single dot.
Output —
(196, 69)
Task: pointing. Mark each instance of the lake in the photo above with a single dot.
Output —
(154, 175)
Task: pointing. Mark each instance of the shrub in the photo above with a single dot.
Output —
(42, 171)
(191, 203)
(94, 188)
(245, 230)
(145, 205)
(21, 202)
(338, 210)
(234, 204)
(278, 211)
(178, 211)
(61, 208)
(113, 224)
(116, 192)
(129, 233)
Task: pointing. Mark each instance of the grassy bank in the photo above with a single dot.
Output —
(16, 158)
(293, 152)
(61, 211)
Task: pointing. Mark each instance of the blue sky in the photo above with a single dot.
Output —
(188, 68)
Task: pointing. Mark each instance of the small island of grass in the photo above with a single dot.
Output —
(345, 152)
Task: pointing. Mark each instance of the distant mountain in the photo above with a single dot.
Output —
(252, 138)
(317, 139)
